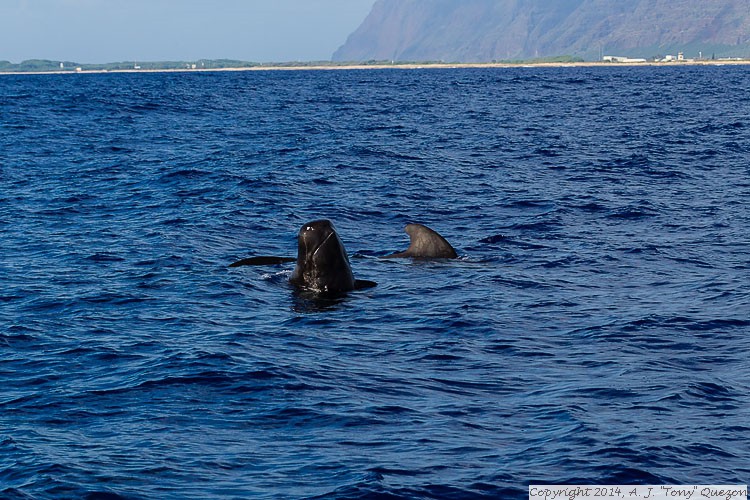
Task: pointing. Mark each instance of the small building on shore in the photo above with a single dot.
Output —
(679, 58)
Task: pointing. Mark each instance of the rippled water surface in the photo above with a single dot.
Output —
(595, 328)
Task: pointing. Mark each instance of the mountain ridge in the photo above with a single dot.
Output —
(492, 30)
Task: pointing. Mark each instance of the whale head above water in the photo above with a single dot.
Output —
(322, 263)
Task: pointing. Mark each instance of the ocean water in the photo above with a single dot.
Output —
(595, 329)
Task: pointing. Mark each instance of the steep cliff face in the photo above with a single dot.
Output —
(486, 30)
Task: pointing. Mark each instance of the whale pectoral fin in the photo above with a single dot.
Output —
(360, 284)
(262, 261)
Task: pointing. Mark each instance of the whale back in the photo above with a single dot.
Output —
(426, 243)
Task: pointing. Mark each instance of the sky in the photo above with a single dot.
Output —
(99, 31)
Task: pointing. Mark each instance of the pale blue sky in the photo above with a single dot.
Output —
(97, 31)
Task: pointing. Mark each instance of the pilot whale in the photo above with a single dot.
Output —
(322, 262)
(323, 265)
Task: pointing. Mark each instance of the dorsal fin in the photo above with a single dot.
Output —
(426, 243)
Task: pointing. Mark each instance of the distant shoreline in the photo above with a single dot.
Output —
(350, 67)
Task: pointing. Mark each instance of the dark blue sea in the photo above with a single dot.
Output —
(594, 330)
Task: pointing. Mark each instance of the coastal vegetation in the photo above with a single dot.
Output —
(545, 60)
(52, 66)
(44, 65)
(47, 66)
